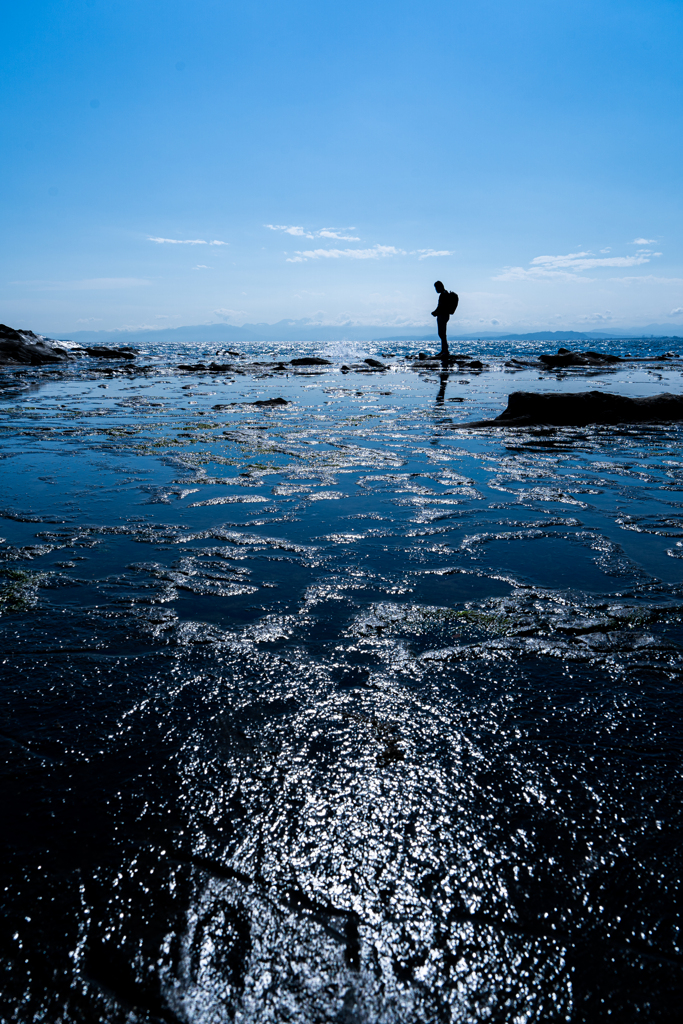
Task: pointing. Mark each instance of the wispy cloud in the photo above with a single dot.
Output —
(88, 284)
(424, 254)
(89, 320)
(569, 266)
(187, 241)
(332, 233)
(300, 232)
(596, 317)
(229, 313)
(291, 230)
(376, 252)
(644, 241)
(587, 261)
(677, 311)
(202, 266)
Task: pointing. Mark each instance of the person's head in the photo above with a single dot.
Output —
(439, 286)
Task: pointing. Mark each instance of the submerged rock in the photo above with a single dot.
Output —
(311, 361)
(375, 364)
(270, 402)
(585, 407)
(24, 348)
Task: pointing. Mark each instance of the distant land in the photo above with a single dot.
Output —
(304, 330)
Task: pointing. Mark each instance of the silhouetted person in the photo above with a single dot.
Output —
(448, 302)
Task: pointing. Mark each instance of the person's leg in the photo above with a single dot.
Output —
(441, 323)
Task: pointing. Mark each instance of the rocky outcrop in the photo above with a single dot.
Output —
(565, 357)
(528, 408)
(103, 352)
(311, 361)
(458, 360)
(24, 348)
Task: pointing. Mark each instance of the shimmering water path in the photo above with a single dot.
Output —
(332, 712)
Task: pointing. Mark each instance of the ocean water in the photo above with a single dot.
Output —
(332, 710)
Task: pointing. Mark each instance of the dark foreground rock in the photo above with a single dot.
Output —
(565, 357)
(270, 403)
(103, 352)
(579, 410)
(311, 361)
(24, 348)
(459, 360)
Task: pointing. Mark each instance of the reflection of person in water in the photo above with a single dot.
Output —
(442, 387)
(446, 305)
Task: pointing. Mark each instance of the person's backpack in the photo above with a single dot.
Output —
(452, 302)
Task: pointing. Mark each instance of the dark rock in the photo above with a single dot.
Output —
(104, 352)
(24, 348)
(565, 357)
(270, 402)
(192, 366)
(311, 361)
(375, 363)
(476, 364)
(421, 355)
(586, 407)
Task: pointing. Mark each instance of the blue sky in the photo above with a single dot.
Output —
(345, 156)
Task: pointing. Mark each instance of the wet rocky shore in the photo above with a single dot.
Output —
(316, 708)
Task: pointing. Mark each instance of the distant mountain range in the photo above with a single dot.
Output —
(304, 330)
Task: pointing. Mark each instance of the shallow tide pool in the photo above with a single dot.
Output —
(334, 710)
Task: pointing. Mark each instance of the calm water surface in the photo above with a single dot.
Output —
(332, 711)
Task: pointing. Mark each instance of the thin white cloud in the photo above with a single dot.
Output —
(646, 279)
(537, 274)
(608, 249)
(424, 254)
(569, 266)
(300, 232)
(331, 233)
(376, 252)
(677, 311)
(644, 241)
(587, 261)
(229, 312)
(186, 241)
(88, 284)
(293, 229)
(89, 320)
(202, 266)
(596, 317)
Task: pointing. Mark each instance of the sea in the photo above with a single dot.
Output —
(334, 709)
